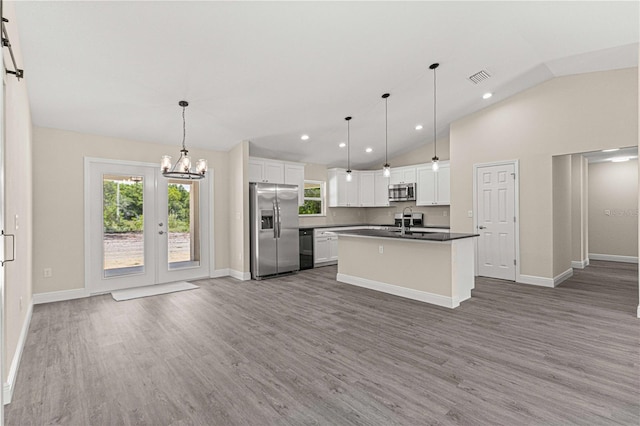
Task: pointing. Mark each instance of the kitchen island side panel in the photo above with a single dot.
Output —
(415, 265)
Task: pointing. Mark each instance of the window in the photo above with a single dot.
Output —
(313, 199)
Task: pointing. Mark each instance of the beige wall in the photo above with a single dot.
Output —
(423, 154)
(613, 187)
(18, 198)
(579, 228)
(59, 199)
(561, 169)
(239, 245)
(565, 115)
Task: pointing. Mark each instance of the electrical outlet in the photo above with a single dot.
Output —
(445, 213)
(47, 272)
(21, 303)
(470, 213)
(16, 224)
(381, 249)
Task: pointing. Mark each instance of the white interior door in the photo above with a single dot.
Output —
(141, 228)
(496, 220)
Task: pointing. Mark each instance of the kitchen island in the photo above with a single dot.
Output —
(432, 267)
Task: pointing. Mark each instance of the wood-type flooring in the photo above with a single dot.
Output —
(305, 349)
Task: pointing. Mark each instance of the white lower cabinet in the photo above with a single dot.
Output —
(325, 247)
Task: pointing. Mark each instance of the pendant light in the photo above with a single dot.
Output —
(386, 169)
(182, 168)
(349, 177)
(434, 161)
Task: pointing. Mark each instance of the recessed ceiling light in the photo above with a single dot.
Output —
(619, 159)
(419, 127)
(611, 150)
(304, 137)
(368, 150)
(342, 145)
(487, 95)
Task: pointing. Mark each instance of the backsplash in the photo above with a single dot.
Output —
(433, 215)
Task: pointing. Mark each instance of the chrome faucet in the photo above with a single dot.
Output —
(403, 228)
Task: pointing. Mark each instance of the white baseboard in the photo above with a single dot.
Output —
(220, 273)
(562, 277)
(244, 276)
(543, 281)
(534, 280)
(8, 386)
(409, 293)
(58, 296)
(580, 264)
(613, 258)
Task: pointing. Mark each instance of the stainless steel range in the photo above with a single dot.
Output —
(410, 219)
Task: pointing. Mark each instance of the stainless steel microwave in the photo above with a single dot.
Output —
(402, 192)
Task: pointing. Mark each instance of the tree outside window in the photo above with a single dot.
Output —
(313, 199)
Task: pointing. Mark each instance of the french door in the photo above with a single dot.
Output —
(141, 228)
(496, 220)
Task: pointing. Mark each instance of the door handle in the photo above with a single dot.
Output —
(481, 227)
(160, 232)
(13, 245)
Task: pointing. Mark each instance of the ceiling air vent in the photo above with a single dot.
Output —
(479, 77)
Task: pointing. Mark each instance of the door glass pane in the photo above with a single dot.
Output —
(184, 223)
(123, 220)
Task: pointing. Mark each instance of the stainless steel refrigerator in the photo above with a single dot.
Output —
(274, 229)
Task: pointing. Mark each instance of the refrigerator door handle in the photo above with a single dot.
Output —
(275, 219)
(278, 220)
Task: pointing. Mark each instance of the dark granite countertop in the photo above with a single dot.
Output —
(366, 224)
(410, 235)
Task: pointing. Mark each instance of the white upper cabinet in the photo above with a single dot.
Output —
(444, 184)
(341, 192)
(367, 182)
(256, 170)
(403, 175)
(294, 175)
(353, 186)
(262, 170)
(381, 188)
(433, 188)
(274, 171)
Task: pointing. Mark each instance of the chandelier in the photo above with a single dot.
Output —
(182, 168)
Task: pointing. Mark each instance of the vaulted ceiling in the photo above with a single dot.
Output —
(269, 72)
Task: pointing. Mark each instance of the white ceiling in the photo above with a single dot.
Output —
(604, 156)
(269, 72)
